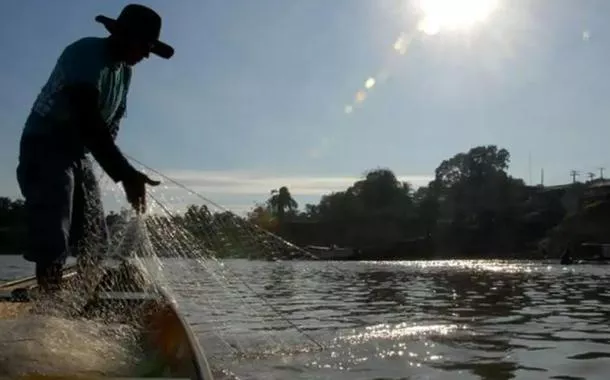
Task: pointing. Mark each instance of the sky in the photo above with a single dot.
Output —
(310, 94)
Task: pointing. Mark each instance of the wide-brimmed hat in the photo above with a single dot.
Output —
(140, 22)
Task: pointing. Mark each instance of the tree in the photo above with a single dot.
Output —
(262, 217)
(12, 212)
(12, 225)
(380, 191)
(281, 202)
(478, 203)
(478, 163)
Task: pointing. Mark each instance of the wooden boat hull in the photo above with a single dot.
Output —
(122, 296)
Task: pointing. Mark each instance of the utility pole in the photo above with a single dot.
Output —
(542, 177)
(591, 176)
(574, 174)
(529, 167)
(601, 172)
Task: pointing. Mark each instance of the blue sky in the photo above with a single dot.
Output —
(256, 93)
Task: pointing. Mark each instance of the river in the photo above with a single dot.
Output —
(394, 320)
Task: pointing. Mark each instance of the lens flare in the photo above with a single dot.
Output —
(453, 14)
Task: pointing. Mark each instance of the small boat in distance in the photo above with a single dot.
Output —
(587, 253)
(332, 252)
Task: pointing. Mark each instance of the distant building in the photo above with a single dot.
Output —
(574, 196)
(570, 195)
(597, 191)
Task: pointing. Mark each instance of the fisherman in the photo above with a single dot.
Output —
(77, 114)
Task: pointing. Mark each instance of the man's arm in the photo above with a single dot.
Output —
(96, 136)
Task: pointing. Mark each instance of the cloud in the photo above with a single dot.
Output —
(253, 183)
(236, 190)
(233, 190)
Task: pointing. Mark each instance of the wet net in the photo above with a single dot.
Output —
(193, 248)
(188, 246)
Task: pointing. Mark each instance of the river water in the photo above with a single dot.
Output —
(394, 320)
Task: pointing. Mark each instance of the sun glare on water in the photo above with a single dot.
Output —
(453, 14)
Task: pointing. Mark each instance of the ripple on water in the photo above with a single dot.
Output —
(525, 320)
(438, 320)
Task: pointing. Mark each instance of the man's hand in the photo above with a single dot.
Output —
(135, 189)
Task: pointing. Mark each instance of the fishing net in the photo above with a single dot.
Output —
(194, 248)
(43, 344)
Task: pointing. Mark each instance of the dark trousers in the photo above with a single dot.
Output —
(64, 212)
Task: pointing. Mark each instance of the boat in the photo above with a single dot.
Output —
(330, 253)
(591, 253)
(123, 296)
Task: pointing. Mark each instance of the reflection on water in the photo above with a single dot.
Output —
(422, 320)
(399, 320)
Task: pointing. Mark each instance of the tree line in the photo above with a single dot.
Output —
(472, 208)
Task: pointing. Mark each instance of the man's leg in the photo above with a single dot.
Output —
(46, 181)
(89, 233)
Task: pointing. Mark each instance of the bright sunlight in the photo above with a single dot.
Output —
(453, 14)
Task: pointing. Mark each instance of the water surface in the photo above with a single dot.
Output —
(394, 320)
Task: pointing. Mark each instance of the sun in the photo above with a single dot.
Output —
(453, 14)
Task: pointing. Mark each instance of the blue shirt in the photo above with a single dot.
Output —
(86, 61)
